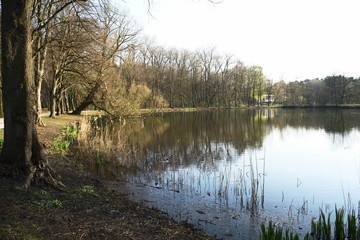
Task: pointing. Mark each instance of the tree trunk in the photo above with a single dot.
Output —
(52, 107)
(82, 107)
(21, 150)
(38, 120)
(39, 77)
(88, 100)
(53, 101)
(66, 102)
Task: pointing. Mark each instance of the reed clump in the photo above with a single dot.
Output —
(322, 228)
(99, 144)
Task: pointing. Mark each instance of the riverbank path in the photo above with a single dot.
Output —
(2, 119)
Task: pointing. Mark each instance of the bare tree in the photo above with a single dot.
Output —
(68, 61)
(44, 20)
(113, 34)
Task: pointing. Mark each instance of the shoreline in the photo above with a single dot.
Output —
(85, 209)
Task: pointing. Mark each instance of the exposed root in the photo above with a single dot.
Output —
(45, 175)
(39, 122)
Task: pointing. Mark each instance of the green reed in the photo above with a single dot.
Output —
(271, 232)
(276, 233)
(321, 228)
(339, 228)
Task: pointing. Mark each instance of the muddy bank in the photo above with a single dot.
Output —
(84, 209)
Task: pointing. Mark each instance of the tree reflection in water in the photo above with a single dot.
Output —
(214, 155)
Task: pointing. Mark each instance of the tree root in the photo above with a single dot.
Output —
(43, 175)
(39, 122)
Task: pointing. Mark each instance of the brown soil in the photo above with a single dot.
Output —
(84, 209)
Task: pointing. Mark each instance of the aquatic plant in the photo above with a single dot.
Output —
(273, 232)
(320, 228)
(353, 230)
(98, 143)
(339, 228)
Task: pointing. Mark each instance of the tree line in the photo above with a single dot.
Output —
(332, 90)
(89, 54)
(70, 55)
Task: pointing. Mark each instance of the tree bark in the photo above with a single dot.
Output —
(88, 100)
(21, 150)
(52, 104)
(39, 77)
(41, 49)
(38, 85)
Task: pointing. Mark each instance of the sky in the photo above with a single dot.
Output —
(291, 39)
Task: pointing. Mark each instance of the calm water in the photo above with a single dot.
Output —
(227, 171)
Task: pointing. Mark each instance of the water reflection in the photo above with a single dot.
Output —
(226, 171)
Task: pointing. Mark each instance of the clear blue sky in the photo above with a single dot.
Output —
(291, 39)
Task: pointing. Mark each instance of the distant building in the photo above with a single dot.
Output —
(265, 100)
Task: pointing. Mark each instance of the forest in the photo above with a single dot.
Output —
(88, 54)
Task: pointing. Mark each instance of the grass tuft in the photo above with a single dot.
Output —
(320, 229)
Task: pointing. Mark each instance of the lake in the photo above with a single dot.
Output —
(227, 171)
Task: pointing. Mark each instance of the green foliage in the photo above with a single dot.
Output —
(43, 198)
(325, 225)
(60, 145)
(47, 203)
(69, 132)
(67, 136)
(339, 227)
(353, 229)
(87, 189)
(271, 232)
(37, 194)
(276, 233)
(320, 229)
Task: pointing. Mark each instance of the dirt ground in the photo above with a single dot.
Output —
(84, 209)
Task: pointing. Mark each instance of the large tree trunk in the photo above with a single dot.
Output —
(21, 150)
